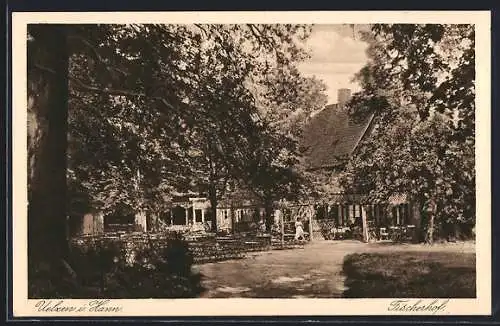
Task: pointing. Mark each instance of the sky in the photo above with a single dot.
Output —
(336, 55)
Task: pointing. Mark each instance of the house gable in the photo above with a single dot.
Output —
(331, 137)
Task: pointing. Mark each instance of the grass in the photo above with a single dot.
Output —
(410, 275)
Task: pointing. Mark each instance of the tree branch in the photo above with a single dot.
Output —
(255, 31)
(43, 68)
(90, 46)
(263, 39)
(118, 92)
(95, 54)
(203, 30)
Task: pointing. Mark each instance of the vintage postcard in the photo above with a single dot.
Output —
(251, 163)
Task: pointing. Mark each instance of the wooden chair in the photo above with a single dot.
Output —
(383, 234)
(410, 232)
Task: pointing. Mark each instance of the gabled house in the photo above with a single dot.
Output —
(328, 140)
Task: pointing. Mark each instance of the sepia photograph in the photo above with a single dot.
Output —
(251, 160)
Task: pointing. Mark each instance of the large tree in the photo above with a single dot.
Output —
(47, 142)
(141, 97)
(159, 93)
(419, 82)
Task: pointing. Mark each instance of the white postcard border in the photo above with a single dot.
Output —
(22, 307)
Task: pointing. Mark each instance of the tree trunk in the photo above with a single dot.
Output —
(282, 229)
(311, 228)
(212, 196)
(233, 219)
(364, 224)
(430, 230)
(431, 209)
(453, 231)
(457, 231)
(268, 207)
(416, 208)
(47, 143)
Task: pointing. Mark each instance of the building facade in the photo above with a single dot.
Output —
(329, 140)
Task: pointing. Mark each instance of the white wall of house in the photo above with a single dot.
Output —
(92, 224)
(199, 209)
(140, 220)
(224, 219)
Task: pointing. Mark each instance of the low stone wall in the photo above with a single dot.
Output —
(203, 247)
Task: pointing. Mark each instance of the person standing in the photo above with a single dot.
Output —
(299, 230)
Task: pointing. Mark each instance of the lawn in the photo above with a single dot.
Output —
(410, 275)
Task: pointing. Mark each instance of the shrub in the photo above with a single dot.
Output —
(410, 275)
(110, 268)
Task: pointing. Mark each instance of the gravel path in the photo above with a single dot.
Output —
(312, 272)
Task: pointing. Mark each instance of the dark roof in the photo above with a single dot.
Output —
(331, 135)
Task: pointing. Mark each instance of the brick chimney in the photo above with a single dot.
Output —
(343, 96)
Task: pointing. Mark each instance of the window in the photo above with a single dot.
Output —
(333, 212)
(197, 215)
(357, 210)
(166, 217)
(380, 214)
(405, 214)
(369, 213)
(321, 211)
(179, 215)
(345, 213)
(225, 214)
(395, 216)
(401, 214)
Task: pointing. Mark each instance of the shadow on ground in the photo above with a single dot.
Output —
(316, 271)
(410, 275)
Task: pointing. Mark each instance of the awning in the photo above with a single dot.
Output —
(397, 199)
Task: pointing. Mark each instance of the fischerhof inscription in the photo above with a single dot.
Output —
(419, 306)
(62, 306)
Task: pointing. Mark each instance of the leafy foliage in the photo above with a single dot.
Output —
(106, 269)
(420, 83)
(410, 275)
(156, 108)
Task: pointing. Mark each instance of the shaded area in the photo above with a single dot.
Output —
(122, 270)
(316, 271)
(410, 275)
